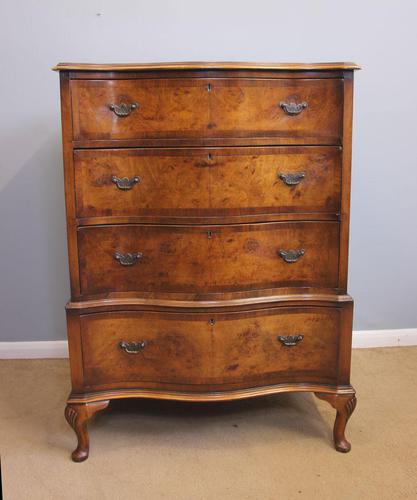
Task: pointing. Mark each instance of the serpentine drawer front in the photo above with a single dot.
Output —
(268, 346)
(233, 257)
(207, 182)
(208, 228)
(298, 111)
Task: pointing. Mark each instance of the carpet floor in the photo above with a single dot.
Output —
(276, 447)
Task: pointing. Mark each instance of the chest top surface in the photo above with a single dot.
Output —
(68, 66)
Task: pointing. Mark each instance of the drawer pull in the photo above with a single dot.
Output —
(293, 108)
(292, 179)
(127, 259)
(123, 109)
(291, 256)
(132, 347)
(290, 340)
(124, 183)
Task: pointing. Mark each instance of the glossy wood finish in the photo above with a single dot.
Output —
(207, 66)
(70, 195)
(233, 257)
(346, 179)
(189, 302)
(207, 182)
(252, 107)
(167, 108)
(216, 350)
(190, 178)
(206, 396)
(78, 416)
(344, 406)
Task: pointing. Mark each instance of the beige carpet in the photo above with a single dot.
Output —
(278, 447)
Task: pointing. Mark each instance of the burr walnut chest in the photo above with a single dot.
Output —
(208, 221)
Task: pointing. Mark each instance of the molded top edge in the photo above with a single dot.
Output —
(327, 66)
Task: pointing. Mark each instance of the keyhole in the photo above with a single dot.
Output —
(210, 156)
(209, 235)
(212, 322)
(209, 87)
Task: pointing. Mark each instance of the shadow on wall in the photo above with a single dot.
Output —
(34, 283)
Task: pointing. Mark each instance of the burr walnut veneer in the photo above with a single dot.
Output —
(208, 219)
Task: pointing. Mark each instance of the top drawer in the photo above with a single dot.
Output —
(286, 111)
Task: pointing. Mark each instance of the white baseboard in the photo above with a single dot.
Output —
(59, 348)
(31, 350)
(384, 338)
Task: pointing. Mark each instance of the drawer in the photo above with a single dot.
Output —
(303, 111)
(121, 258)
(267, 346)
(207, 182)
(166, 108)
(296, 111)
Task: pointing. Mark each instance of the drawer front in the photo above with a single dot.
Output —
(297, 111)
(166, 108)
(208, 258)
(238, 349)
(204, 182)
(277, 345)
(176, 348)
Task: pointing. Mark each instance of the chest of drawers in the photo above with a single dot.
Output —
(208, 221)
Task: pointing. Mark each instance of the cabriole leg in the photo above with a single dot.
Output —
(344, 404)
(77, 416)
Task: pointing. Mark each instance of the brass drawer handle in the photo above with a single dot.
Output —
(123, 109)
(293, 108)
(290, 340)
(124, 183)
(132, 347)
(292, 179)
(127, 259)
(291, 256)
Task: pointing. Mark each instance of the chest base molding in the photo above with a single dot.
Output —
(202, 397)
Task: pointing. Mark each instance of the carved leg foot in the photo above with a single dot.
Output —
(77, 416)
(344, 404)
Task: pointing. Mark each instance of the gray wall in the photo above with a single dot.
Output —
(380, 35)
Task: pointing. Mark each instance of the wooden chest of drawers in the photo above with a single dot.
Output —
(208, 220)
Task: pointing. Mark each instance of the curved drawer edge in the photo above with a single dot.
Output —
(274, 300)
(226, 395)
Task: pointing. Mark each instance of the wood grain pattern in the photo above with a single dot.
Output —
(170, 108)
(224, 258)
(190, 302)
(166, 108)
(190, 183)
(344, 405)
(208, 219)
(70, 195)
(207, 182)
(250, 107)
(198, 73)
(230, 348)
(205, 395)
(206, 65)
(346, 179)
(78, 416)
